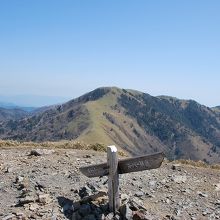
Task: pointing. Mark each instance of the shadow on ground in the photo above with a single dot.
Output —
(83, 209)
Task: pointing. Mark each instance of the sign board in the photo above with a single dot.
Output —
(129, 165)
(114, 167)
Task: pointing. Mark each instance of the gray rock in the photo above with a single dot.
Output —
(202, 194)
(176, 167)
(102, 217)
(177, 212)
(33, 207)
(137, 215)
(110, 216)
(84, 191)
(204, 213)
(44, 198)
(163, 181)
(152, 184)
(93, 187)
(124, 197)
(136, 204)
(9, 170)
(126, 212)
(54, 217)
(139, 194)
(41, 152)
(87, 156)
(19, 179)
(217, 202)
(9, 217)
(20, 214)
(117, 217)
(40, 186)
(168, 201)
(26, 200)
(179, 179)
(217, 187)
(149, 195)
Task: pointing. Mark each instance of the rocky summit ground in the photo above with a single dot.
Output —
(47, 184)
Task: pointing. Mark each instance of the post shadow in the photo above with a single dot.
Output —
(82, 208)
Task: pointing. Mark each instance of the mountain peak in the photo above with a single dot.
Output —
(136, 122)
(100, 92)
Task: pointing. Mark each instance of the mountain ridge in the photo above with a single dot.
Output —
(136, 122)
(12, 114)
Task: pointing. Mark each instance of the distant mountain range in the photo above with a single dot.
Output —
(6, 105)
(30, 100)
(136, 122)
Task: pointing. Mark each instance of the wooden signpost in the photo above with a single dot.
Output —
(114, 167)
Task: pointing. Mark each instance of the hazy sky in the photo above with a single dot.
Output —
(69, 47)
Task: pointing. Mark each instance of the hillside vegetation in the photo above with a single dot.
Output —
(12, 114)
(136, 122)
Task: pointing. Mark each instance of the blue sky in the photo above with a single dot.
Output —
(68, 47)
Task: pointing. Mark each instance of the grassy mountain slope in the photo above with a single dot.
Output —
(134, 121)
(109, 124)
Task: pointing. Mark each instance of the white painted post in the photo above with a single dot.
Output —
(113, 179)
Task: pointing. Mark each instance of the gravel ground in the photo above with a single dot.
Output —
(46, 187)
